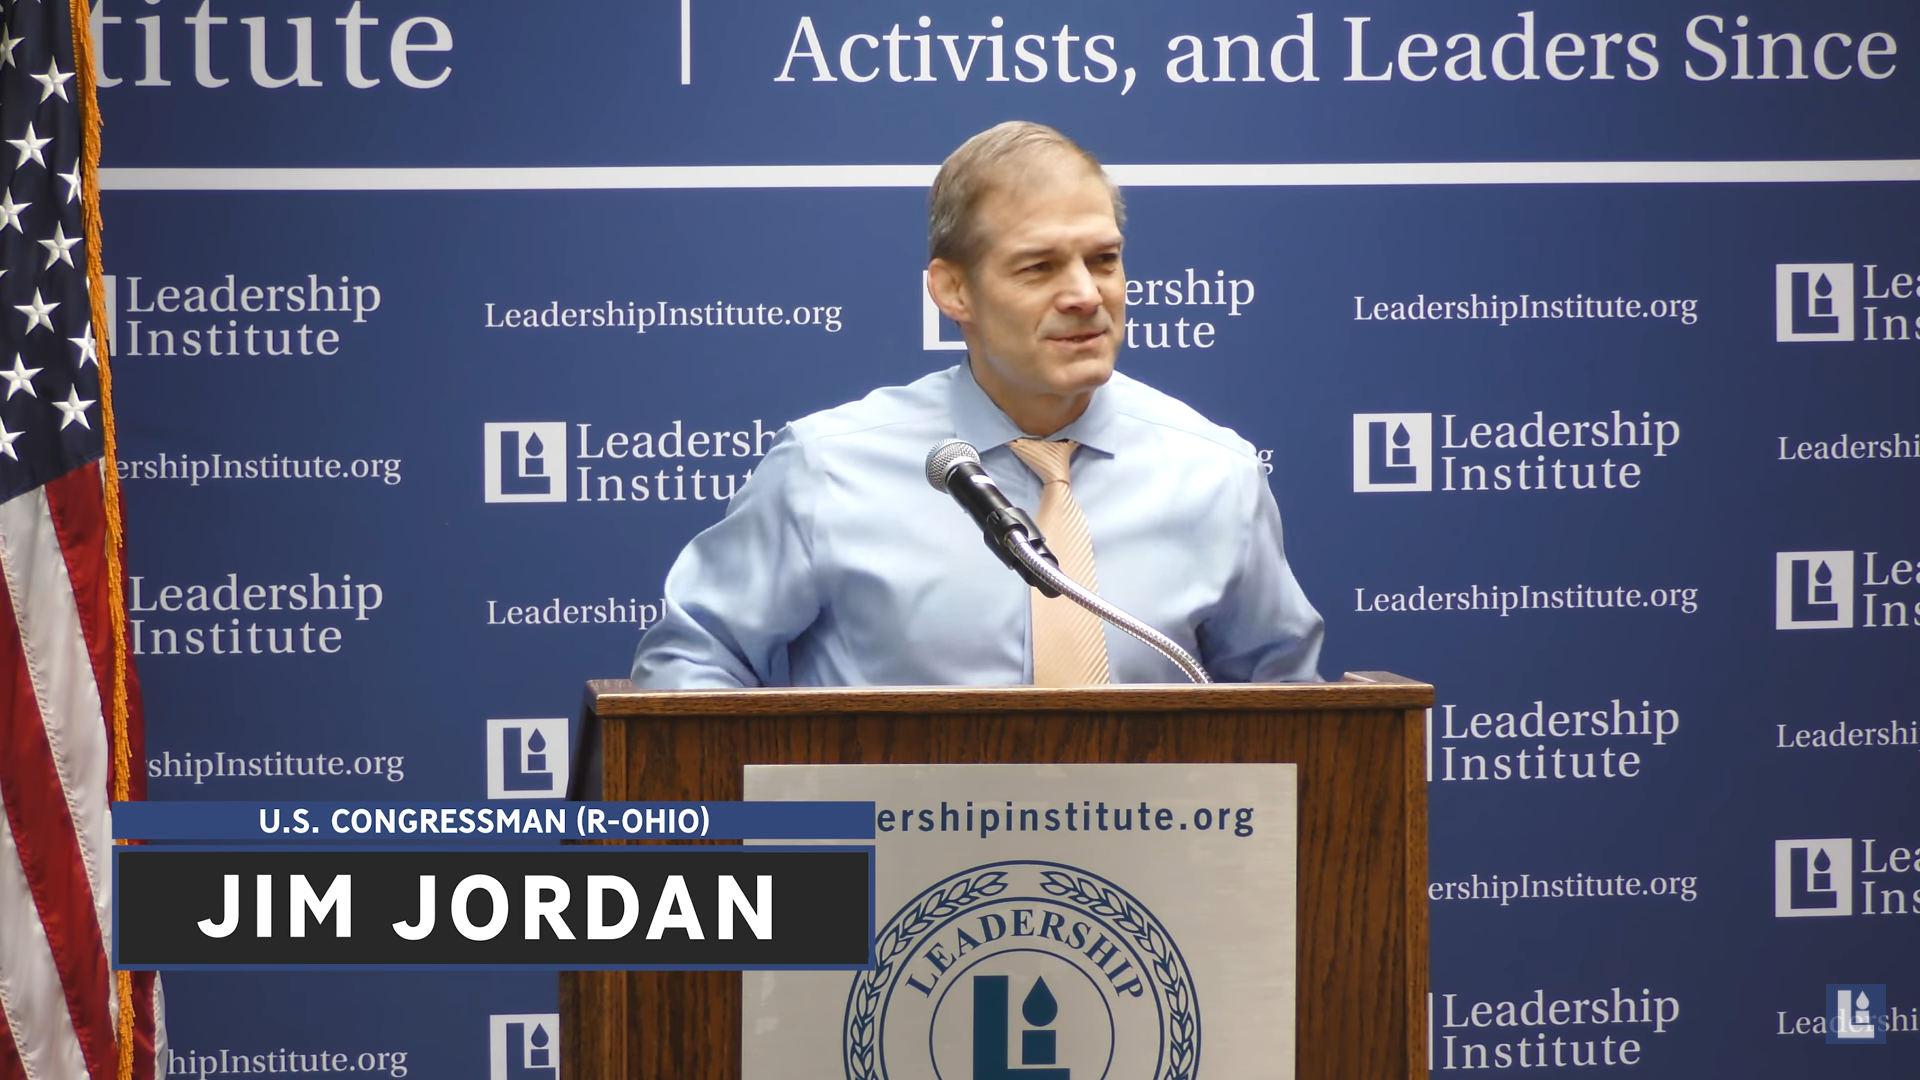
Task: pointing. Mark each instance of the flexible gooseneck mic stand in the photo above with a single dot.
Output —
(1074, 591)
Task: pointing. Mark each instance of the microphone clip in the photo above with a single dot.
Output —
(1003, 525)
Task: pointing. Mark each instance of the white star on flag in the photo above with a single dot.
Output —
(20, 378)
(7, 44)
(29, 148)
(73, 409)
(72, 180)
(10, 213)
(88, 353)
(6, 441)
(53, 82)
(37, 313)
(60, 248)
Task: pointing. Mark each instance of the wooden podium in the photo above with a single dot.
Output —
(1362, 906)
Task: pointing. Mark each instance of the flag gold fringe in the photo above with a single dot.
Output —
(80, 18)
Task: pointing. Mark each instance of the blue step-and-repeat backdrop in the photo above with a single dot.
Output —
(1583, 342)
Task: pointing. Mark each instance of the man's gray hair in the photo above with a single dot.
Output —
(984, 162)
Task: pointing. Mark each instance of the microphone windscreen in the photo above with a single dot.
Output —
(942, 458)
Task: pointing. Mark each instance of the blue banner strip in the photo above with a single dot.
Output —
(503, 821)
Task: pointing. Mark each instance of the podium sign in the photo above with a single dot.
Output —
(1051, 922)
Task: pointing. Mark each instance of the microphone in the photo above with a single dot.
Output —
(954, 467)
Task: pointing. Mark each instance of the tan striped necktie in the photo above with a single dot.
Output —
(1069, 645)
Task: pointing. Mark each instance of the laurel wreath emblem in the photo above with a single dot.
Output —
(1169, 970)
(954, 897)
(930, 909)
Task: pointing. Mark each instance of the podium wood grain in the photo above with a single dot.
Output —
(1361, 958)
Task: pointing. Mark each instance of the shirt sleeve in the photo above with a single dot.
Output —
(742, 590)
(1264, 629)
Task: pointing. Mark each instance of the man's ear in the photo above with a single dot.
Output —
(947, 285)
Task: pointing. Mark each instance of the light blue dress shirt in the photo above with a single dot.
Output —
(838, 565)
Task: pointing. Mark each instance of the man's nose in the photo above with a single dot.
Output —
(1078, 291)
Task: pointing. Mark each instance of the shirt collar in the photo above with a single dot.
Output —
(977, 420)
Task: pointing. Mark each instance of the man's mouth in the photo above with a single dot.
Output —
(1080, 338)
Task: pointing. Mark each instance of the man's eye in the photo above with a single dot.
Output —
(1036, 268)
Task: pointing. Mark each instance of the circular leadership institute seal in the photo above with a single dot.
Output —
(1023, 970)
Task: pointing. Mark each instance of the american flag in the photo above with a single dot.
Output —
(69, 705)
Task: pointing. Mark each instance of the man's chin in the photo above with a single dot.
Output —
(1083, 373)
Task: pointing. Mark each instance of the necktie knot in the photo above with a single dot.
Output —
(1049, 461)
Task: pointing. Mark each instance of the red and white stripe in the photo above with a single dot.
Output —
(57, 997)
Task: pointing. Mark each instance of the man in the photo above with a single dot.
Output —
(838, 565)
